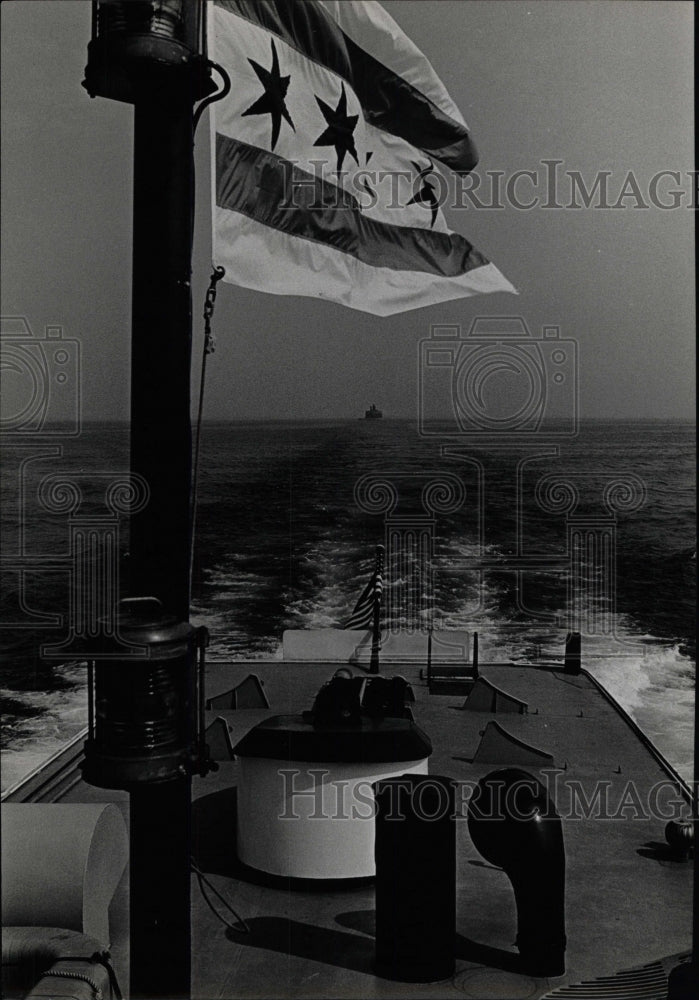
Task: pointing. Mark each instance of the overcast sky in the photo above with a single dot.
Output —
(600, 86)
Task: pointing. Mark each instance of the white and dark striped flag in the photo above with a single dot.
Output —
(363, 614)
(326, 153)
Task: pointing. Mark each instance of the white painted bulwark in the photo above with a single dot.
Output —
(311, 820)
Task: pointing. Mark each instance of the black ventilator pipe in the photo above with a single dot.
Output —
(515, 826)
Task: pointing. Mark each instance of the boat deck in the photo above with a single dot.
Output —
(628, 902)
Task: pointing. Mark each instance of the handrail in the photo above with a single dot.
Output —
(54, 758)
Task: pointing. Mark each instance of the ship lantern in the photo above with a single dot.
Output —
(140, 715)
(146, 49)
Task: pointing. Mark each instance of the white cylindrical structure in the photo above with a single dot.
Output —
(61, 863)
(315, 820)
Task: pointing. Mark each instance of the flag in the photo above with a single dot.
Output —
(326, 152)
(363, 614)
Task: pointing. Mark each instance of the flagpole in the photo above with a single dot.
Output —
(375, 639)
(376, 620)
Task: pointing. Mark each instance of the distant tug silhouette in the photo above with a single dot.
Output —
(372, 413)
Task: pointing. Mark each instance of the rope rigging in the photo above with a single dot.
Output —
(209, 340)
(209, 348)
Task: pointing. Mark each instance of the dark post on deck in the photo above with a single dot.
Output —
(152, 55)
(572, 662)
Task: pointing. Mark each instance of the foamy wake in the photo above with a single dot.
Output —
(32, 739)
(654, 682)
(651, 678)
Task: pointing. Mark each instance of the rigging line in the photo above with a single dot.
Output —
(209, 348)
(243, 927)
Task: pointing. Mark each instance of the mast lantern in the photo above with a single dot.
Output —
(146, 711)
(143, 48)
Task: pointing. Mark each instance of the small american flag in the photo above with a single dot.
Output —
(363, 614)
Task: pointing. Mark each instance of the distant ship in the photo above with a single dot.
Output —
(372, 413)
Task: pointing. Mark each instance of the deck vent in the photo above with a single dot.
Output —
(497, 746)
(218, 740)
(248, 694)
(486, 697)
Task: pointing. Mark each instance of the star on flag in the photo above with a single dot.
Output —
(426, 194)
(339, 132)
(272, 102)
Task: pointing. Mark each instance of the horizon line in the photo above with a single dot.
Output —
(126, 421)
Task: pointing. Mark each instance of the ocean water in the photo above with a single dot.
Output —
(479, 537)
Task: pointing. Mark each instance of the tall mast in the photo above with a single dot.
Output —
(161, 348)
(152, 55)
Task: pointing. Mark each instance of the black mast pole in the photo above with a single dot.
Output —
(160, 533)
(153, 55)
(161, 348)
